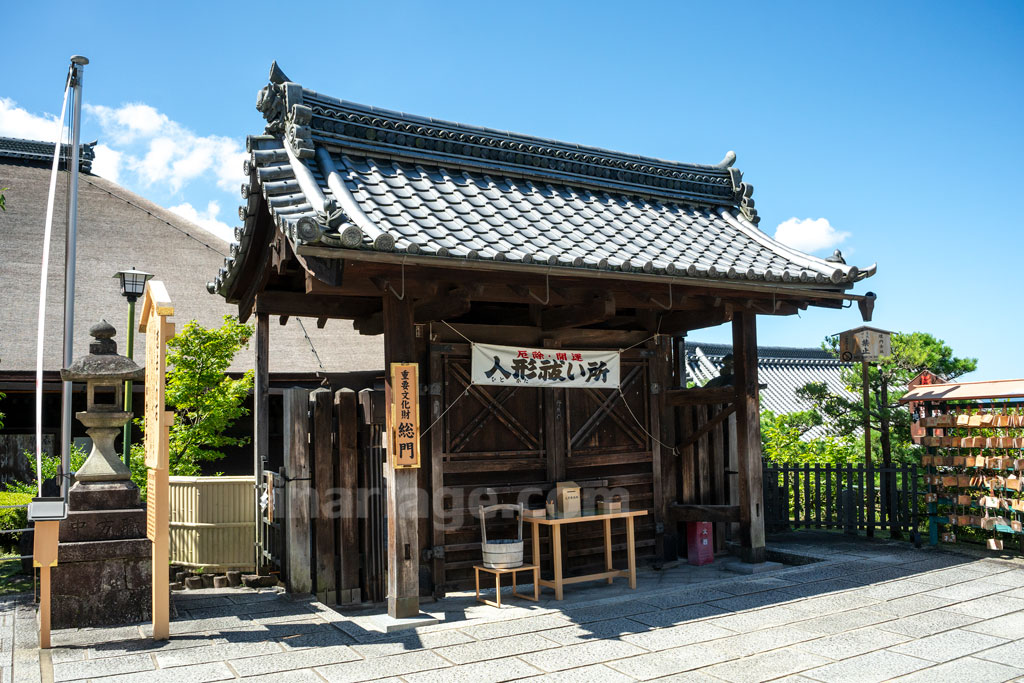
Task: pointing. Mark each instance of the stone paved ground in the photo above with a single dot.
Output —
(870, 611)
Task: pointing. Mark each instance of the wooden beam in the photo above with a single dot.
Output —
(403, 585)
(346, 410)
(699, 396)
(748, 437)
(599, 309)
(705, 513)
(681, 322)
(322, 407)
(452, 303)
(261, 419)
(317, 306)
(296, 430)
(711, 424)
(371, 325)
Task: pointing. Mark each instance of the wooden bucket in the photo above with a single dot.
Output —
(504, 553)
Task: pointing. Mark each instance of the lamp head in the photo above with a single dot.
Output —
(133, 283)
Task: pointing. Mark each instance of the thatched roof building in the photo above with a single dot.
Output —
(118, 229)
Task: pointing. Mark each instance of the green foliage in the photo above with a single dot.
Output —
(206, 401)
(137, 465)
(51, 467)
(3, 200)
(13, 518)
(781, 440)
(912, 353)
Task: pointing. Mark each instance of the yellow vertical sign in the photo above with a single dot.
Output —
(155, 310)
(404, 429)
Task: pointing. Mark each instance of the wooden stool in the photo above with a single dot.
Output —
(497, 582)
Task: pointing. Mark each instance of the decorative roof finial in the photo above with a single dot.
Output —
(836, 257)
(276, 75)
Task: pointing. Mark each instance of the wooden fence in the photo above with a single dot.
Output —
(213, 522)
(849, 497)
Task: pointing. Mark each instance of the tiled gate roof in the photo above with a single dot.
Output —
(342, 175)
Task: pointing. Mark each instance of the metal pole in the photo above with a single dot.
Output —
(126, 437)
(78, 67)
(869, 498)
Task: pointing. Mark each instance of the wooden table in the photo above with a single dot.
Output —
(497, 582)
(558, 521)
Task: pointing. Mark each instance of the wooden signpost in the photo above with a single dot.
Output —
(44, 556)
(156, 308)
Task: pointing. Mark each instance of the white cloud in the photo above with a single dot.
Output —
(206, 219)
(16, 122)
(809, 234)
(107, 163)
(163, 152)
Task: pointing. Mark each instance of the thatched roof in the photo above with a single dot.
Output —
(118, 229)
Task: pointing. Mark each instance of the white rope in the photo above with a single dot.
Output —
(42, 290)
(639, 424)
(457, 332)
(452, 405)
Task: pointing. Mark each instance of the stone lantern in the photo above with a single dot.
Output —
(104, 373)
(105, 573)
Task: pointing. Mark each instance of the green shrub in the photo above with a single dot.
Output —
(13, 518)
(51, 466)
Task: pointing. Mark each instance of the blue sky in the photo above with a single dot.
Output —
(891, 131)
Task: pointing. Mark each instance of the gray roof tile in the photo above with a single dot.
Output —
(436, 186)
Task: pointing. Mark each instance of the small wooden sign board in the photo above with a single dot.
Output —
(404, 416)
(156, 308)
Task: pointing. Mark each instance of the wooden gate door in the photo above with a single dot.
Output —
(606, 442)
(510, 444)
(489, 447)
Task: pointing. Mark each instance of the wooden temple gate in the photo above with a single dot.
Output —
(438, 235)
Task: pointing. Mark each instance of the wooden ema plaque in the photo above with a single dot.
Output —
(155, 310)
(404, 416)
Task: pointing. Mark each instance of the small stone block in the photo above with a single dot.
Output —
(386, 624)
(194, 582)
(234, 578)
(220, 582)
(177, 586)
(749, 568)
(257, 581)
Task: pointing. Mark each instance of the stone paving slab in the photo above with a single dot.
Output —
(873, 667)
(964, 669)
(765, 666)
(867, 611)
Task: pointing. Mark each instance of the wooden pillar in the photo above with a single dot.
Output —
(322, 405)
(402, 497)
(748, 436)
(664, 460)
(347, 479)
(261, 424)
(296, 424)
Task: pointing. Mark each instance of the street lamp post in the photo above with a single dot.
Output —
(133, 284)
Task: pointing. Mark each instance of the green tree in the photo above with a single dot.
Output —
(912, 353)
(206, 401)
(783, 442)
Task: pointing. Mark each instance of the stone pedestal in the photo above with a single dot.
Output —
(103, 573)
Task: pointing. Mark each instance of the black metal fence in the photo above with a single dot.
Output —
(849, 497)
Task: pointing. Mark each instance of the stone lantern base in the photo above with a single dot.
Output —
(103, 574)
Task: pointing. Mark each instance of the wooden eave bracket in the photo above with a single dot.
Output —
(600, 308)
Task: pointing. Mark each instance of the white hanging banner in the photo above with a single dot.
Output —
(520, 366)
